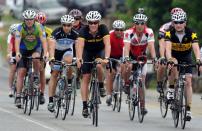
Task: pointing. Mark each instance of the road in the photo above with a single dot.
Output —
(13, 119)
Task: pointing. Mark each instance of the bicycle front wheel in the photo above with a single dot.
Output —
(141, 102)
(119, 94)
(163, 100)
(95, 104)
(73, 95)
(183, 111)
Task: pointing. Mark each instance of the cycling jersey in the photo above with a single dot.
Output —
(30, 39)
(11, 40)
(64, 41)
(165, 27)
(116, 45)
(93, 43)
(48, 31)
(138, 47)
(184, 47)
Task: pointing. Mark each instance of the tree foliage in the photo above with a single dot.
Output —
(158, 12)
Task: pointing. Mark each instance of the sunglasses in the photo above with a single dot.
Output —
(178, 22)
(29, 19)
(77, 18)
(93, 23)
(118, 29)
(139, 23)
(66, 25)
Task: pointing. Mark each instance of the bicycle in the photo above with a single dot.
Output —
(94, 99)
(179, 104)
(162, 96)
(30, 89)
(136, 96)
(64, 94)
(117, 86)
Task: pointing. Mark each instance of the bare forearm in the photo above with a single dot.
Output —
(162, 48)
(126, 49)
(168, 50)
(152, 49)
(196, 50)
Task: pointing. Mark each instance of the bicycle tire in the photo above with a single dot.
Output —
(73, 95)
(163, 101)
(175, 111)
(131, 105)
(64, 107)
(183, 112)
(140, 109)
(25, 101)
(95, 104)
(57, 107)
(37, 99)
(114, 101)
(119, 95)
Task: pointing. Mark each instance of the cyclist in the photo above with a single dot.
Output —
(136, 40)
(162, 48)
(93, 42)
(116, 41)
(180, 41)
(63, 38)
(11, 56)
(41, 18)
(28, 39)
(78, 17)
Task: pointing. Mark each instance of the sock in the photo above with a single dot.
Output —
(50, 99)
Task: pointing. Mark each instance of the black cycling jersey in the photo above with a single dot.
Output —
(183, 48)
(94, 43)
(64, 40)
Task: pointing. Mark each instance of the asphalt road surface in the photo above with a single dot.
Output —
(13, 119)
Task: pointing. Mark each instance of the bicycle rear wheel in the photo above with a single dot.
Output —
(119, 94)
(140, 106)
(183, 112)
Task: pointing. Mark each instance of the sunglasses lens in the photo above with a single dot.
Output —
(93, 23)
(67, 25)
(178, 22)
(139, 23)
(118, 30)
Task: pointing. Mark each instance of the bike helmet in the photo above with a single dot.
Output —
(93, 16)
(13, 28)
(41, 17)
(29, 14)
(119, 24)
(179, 16)
(174, 10)
(67, 19)
(75, 13)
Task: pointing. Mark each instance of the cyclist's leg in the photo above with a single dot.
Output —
(109, 85)
(127, 68)
(188, 87)
(12, 76)
(172, 79)
(142, 90)
(160, 75)
(42, 82)
(100, 74)
(67, 57)
(86, 70)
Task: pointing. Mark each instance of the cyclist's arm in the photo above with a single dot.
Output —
(126, 49)
(152, 49)
(9, 48)
(162, 47)
(44, 41)
(17, 42)
(195, 47)
(51, 47)
(106, 40)
(80, 47)
(168, 49)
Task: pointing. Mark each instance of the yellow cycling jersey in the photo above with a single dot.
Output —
(48, 31)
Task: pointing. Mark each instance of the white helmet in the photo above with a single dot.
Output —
(29, 14)
(93, 16)
(13, 28)
(179, 16)
(140, 17)
(119, 24)
(67, 19)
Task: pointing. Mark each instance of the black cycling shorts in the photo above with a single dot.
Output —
(88, 57)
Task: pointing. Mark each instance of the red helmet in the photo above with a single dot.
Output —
(174, 10)
(41, 17)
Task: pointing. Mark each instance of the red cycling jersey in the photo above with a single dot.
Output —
(11, 42)
(116, 45)
(138, 46)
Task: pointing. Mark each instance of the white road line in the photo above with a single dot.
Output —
(29, 120)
